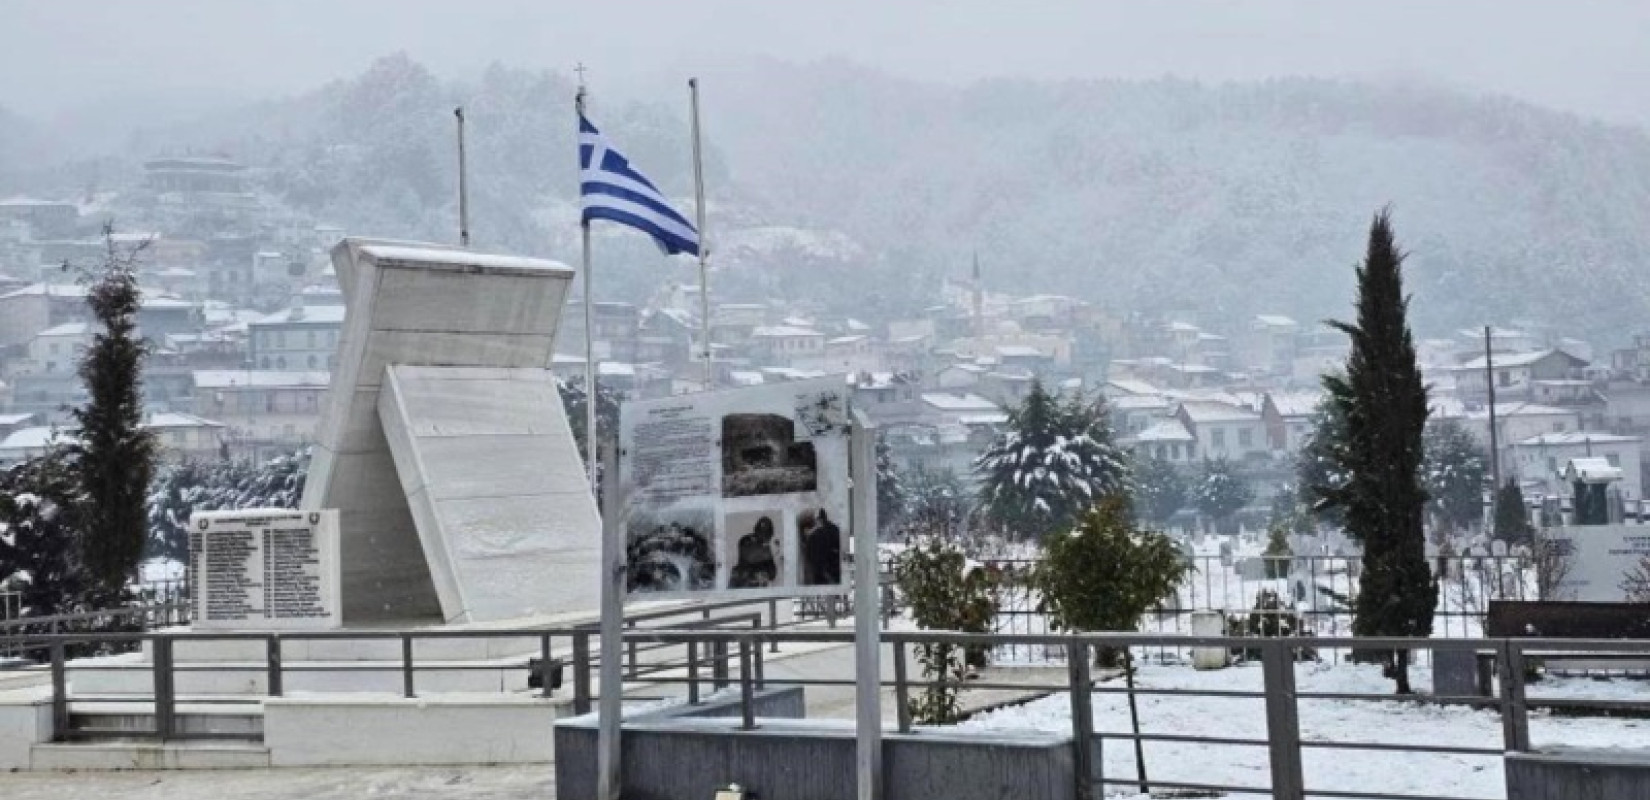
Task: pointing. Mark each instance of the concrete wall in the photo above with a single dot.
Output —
(332, 731)
(679, 755)
(25, 720)
(1579, 775)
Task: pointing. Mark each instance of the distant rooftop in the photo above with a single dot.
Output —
(232, 378)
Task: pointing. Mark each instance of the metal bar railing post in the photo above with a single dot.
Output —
(1282, 719)
(546, 668)
(747, 699)
(60, 694)
(693, 673)
(756, 625)
(272, 648)
(407, 666)
(902, 688)
(773, 623)
(1082, 719)
(1515, 721)
(581, 673)
(165, 695)
(634, 670)
(719, 665)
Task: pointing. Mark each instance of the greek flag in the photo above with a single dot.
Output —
(611, 189)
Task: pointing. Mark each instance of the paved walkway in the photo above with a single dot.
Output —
(388, 783)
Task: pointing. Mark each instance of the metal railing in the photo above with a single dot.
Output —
(1316, 594)
(1283, 741)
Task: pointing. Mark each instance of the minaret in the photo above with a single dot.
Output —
(979, 299)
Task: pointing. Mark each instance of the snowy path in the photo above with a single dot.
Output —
(1325, 720)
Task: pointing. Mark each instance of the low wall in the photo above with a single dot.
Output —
(1579, 775)
(687, 755)
(25, 720)
(336, 731)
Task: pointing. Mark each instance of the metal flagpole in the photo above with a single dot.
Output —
(590, 399)
(463, 185)
(704, 241)
(862, 446)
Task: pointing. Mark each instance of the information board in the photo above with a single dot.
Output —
(743, 492)
(264, 569)
(1592, 561)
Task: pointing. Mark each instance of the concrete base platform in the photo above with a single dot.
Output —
(147, 755)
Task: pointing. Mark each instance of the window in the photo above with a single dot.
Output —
(312, 361)
(1613, 458)
(1245, 438)
(280, 340)
(52, 348)
(264, 362)
(309, 338)
(1552, 465)
(1160, 453)
(269, 402)
(1503, 378)
(280, 362)
(1217, 438)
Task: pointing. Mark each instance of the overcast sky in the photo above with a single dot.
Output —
(1586, 56)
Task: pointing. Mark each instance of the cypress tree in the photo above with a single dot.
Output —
(114, 454)
(1384, 405)
(1512, 518)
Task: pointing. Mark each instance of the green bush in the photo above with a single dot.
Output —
(1105, 574)
(944, 594)
(1270, 618)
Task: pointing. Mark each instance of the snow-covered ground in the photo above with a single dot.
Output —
(1376, 720)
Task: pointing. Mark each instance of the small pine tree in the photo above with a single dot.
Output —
(1159, 489)
(114, 455)
(40, 525)
(1055, 460)
(1277, 552)
(1220, 493)
(944, 594)
(1512, 516)
(1454, 471)
(1384, 403)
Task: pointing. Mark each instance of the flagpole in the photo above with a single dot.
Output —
(704, 241)
(463, 185)
(590, 395)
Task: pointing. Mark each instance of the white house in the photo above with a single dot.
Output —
(1542, 459)
(1167, 440)
(1224, 430)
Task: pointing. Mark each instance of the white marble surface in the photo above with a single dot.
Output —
(416, 305)
(494, 482)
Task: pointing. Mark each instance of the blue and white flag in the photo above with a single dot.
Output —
(611, 189)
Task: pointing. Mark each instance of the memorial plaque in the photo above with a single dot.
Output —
(264, 569)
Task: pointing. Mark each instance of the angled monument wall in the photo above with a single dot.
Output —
(417, 305)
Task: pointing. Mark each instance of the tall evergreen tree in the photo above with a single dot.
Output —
(1512, 516)
(113, 454)
(1321, 464)
(40, 525)
(1055, 461)
(1384, 403)
(1220, 493)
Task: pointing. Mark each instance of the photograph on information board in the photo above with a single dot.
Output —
(742, 492)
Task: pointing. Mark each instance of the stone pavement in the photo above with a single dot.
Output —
(535, 782)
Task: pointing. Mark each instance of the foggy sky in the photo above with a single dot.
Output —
(58, 56)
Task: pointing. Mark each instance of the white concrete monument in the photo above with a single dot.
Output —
(443, 443)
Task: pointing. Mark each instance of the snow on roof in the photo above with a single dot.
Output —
(54, 289)
(67, 329)
(32, 202)
(1275, 321)
(792, 373)
(855, 325)
(1575, 438)
(1592, 469)
(1167, 430)
(1018, 351)
(1503, 410)
(1295, 404)
(847, 339)
(997, 418)
(1518, 359)
(566, 358)
(745, 377)
(232, 378)
(29, 438)
(15, 419)
(780, 331)
(1131, 386)
(1215, 411)
(307, 315)
(1139, 402)
(1183, 327)
(617, 369)
(946, 401)
(172, 419)
(431, 255)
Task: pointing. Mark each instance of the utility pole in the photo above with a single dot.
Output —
(1489, 384)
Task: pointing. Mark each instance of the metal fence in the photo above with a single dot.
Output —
(1314, 597)
(686, 651)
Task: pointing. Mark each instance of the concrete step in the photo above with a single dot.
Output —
(145, 755)
(117, 719)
